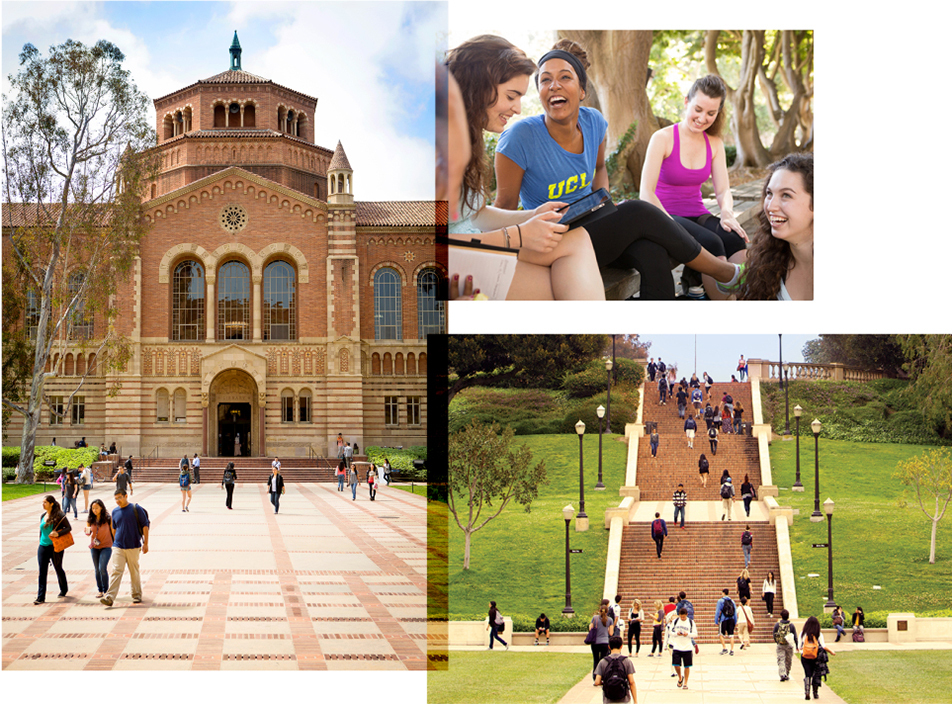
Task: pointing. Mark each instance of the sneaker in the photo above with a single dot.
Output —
(724, 651)
(61, 595)
(186, 508)
(183, 510)
(106, 601)
(37, 602)
(507, 646)
(139, 601)
(732, 652)
(739, 273)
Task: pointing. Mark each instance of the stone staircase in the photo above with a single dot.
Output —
(248, 469)
(706, 556)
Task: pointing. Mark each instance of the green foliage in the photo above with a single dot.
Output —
(11, 456)
(9, 474)
(64, 457)
(931, 368)
(526, 411)
(399, 459)
(864, 351)
(593, 378)
(730, 152)
(490, 140)
(624, 410)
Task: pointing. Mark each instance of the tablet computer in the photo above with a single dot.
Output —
(587, 208)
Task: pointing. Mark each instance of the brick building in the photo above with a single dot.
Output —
(266, 302)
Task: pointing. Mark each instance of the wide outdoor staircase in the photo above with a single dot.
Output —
(706, 556)
(248, 469)
(658, 477)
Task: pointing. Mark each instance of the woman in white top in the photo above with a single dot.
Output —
(769, 592)
(745, 622)
(493, 76)
(811, 640)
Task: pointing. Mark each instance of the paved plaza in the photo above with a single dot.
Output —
(327, 584)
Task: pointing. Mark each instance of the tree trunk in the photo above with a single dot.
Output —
(618, 76)
(467, 535)
(750, 149)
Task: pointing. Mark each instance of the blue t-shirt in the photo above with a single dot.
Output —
(551, 173)
(127, 533)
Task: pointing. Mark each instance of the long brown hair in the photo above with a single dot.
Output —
(770, 258)
(713, 87)
(479, 65)
(603, 612)
(56, 515)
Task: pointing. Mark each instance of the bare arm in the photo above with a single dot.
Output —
(601, 171)
(722, 190)
(145, 539)
(508, 182)
(658, 149)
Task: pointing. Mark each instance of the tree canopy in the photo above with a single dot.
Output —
(75, 140)
(870, 352)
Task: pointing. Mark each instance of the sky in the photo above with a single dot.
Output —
(369, 64)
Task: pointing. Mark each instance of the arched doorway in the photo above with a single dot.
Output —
(233, 414)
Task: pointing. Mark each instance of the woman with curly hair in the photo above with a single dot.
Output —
(780, 259)
(554, 263)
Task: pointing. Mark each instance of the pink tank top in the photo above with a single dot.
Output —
(679, 189)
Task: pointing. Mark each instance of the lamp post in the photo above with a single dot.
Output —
(568, 610)
(797, 412)
(580, 429)
(608, 368)
(784, 386)
(600, 412)
(828, 510)
(816, 516)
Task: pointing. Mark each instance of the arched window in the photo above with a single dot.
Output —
(188, 301)
(249, 115)
(431, 316)
(68, 366)
(81, 323)
(234, 115)
(162, 406)
(387, 305)
(280, 307)
(220, 116)
(178, 405)
(304, 406)
(234, 302)
(287, 406)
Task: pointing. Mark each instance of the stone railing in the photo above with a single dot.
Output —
(770, 371)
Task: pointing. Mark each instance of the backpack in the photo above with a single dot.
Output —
(781, 633)
(184, 480)
(858, 636)
(712, 433)
(728, 609)
(657, 528)
(615, 681)
(746, 538)
(729, 399)
(135, 509)
(726, 490)
(500, 621)
(229, 476)
(811, 648)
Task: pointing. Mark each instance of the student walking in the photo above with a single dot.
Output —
(184, 464)
(662, 391)
(372, 481)
(785, 638)
(652, 368)
(128, 466)
(196, 466)
(704, 469)
(745, 622)
(682, 397)
(386, 470)
(747, 544)
(615, 674)
(340, 446)
(353, 480)
(726, 619)
(727, 495)
(712, 436)
(348, 455)
(53, 524)
(228, 478)
(769, 591)
(341, 475)
(690, 427)
(680, 502)
(812, 646)
(742, 368)
(123, 479)
(275, 484)
(86, 484)
(659, 529)
(99, 530)
(743, 584)
(655, 440)
(495, 625)
(636, 616)
(682, 639)
(185, 484)
(130, 524)
(748, 493)
(738, 417)
(601, 624)
(70, 493)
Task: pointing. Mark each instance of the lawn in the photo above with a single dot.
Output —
(891, 677)
(18, 491)
(507, 677)
(876, 542)
(418, 489)
(518, 559)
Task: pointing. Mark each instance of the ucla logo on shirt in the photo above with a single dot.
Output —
(573, 183)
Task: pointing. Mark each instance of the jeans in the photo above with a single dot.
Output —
(44, 555)
(66, 503)
(681, 510)
(746, 555)
(493, 634)
(354, 489)
(275, 499)
(101, 567)
(840, 631)
(681, 408)
(747, 500)
(121, 559)
(340, 483)
(713, 447)
(659, 544)
(654, 449)
(737, 425)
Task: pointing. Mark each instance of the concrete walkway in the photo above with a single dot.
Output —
(327, 584)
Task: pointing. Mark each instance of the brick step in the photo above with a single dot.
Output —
(245, 475)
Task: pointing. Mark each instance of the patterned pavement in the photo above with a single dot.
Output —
(327, 584)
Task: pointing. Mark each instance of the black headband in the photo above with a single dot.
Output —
(572, 59)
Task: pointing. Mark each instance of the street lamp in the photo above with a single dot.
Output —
(600, 412)
(568, 610)
(784, 386)
(828, 510)
(797, 412)
(816, 516)
(608, 368)
(580, 429)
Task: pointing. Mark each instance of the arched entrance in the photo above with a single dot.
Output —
(233, 428)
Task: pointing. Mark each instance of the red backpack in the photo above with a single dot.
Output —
(657, 528)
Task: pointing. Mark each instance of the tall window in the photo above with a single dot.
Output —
(431, 317)
(80, 322)
(413, 410)
(234, 302)
(32, 314)
(79, 410)
(304, 404)
(178, 405)
(387, 305)
(279, 304)
(287, 407)
(56, 410)
(390, 410)
(162, 406)
(188, 301)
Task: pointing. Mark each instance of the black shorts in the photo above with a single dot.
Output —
(683, 658)
(727, 627)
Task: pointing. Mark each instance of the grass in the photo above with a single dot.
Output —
(507, 678)
(418, 489)
(876, 541)
(18, 491)
(892, 677)
(518, 559)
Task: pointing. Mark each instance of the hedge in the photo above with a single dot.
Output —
(400, 459)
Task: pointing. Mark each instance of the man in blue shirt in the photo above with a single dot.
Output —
(126, 545)
(726, 617)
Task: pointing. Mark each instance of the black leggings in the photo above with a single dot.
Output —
(599, 651)
(656, 640)
(634, 629)
(769, 599)
(640, 236)
(714, 238)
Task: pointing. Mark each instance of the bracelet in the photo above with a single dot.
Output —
(520, 235)
(505, 233)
